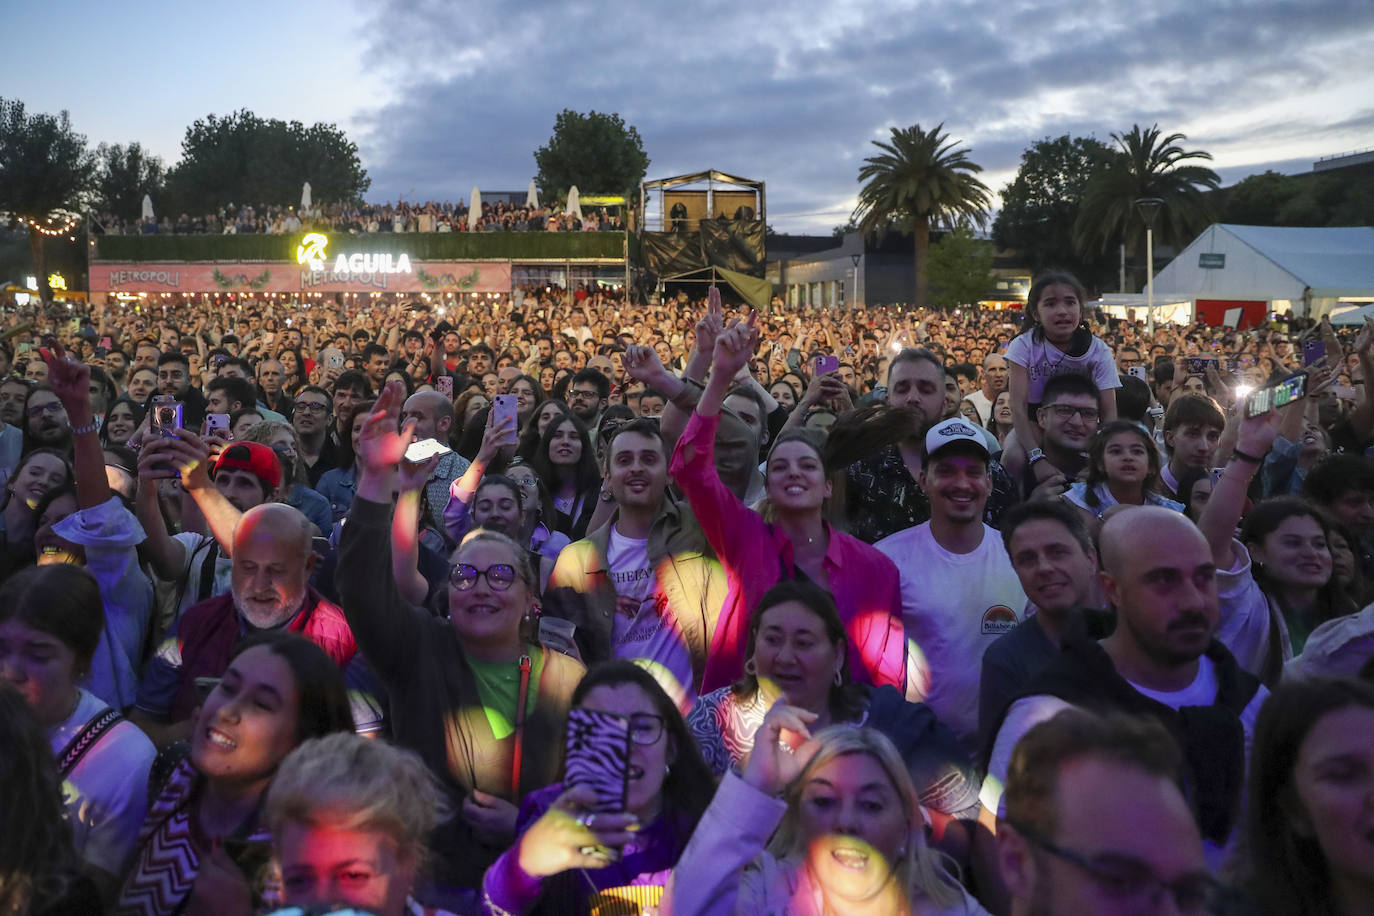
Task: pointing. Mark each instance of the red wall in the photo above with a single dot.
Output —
(1213, 311)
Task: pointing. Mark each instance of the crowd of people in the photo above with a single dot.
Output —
(563, 604)
(403, 216)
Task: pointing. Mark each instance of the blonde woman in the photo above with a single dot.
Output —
(845, 826)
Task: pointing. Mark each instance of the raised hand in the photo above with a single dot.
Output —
(69, 379)
(414, 475)
(380, 445)
(773, 762)
(642, 363)
(735, 346)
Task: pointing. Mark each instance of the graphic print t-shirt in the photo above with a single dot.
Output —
(651, 636)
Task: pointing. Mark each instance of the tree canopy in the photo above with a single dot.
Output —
(1040, 205)
(1148, 165)
(597, 152)
(246, 160)
(124, 175)
(960, 268)
(919, 180)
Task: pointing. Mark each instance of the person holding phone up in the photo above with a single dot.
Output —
(570, 858)
(477, 702)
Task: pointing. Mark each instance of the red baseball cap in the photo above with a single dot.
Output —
(253, 457)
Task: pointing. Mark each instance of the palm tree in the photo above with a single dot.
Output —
(919, 180)
(1147, 166)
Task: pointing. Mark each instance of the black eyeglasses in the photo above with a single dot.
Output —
(646, 728)
(500, 576)
(311, 407)
(1067, 412)
(1133, 883)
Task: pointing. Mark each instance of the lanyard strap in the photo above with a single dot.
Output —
(520, 724)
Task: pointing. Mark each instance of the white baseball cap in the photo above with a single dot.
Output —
(955, 429)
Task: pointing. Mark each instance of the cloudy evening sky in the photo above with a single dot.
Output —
(442, 95)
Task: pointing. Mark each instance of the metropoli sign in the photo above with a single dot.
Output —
(312, 252)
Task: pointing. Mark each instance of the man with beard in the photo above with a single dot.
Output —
(174, 379)
(1101, 789)
(1162, 661)
(587, 395)
(644, 586)
(959, 591)
(994, 383)
(272, 561)
(882, 493)
(45, 422)
(13, 391)
(311, 418)
(191, 566)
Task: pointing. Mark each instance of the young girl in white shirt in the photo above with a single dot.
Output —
(1057, 342)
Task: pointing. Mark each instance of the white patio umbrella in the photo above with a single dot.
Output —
(532, 196)
(474, 209)
(147, 207)
(574, 208)
(306, 202)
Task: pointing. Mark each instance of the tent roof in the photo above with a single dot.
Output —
(708, 175)
(1335, 261)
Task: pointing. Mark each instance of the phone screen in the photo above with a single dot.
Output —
(503, 406)
(1277, 395)
(1312, 351)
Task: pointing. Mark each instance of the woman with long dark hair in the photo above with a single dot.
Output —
(203, 846)
(339, 483)
(566, 461)
(669, 788)
(1307, 845)
(40, 874)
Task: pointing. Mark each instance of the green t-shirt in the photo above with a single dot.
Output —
(498, 685)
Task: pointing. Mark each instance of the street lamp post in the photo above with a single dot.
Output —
(1149, 211)
(854, 259)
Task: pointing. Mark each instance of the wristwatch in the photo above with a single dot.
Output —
(1035, 455)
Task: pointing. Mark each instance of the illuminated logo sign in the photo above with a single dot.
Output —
(57, 281)
(313, 253)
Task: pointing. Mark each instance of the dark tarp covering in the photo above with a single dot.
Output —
(731, 244)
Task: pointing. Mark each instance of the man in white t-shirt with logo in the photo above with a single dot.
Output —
(959, 590)
(645, 586)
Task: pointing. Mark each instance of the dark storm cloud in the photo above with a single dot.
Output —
(793, 93)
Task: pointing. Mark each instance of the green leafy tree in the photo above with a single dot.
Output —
(919, 180)
(597, 152)
(46, 172)
(960, 268)
(1257, 199)
(124, 175)
(1040, 205)
(1147, 165)
(247, 160)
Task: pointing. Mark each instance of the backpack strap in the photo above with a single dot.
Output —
(207, 572)
(86, 739)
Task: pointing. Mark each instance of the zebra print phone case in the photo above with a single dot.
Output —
(598, 755)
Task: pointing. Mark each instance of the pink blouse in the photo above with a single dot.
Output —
(756, 556)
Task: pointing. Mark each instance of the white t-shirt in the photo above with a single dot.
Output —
(1043, 360)
(954, 606)
(1028, 712)
(106, 794)
(652, 637)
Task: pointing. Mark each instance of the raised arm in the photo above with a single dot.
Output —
(71, 382)
(405, 530)
(1223, 510)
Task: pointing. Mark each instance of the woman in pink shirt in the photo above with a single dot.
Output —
(800, 544)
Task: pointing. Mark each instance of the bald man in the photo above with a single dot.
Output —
(270, 589)
(994, 383)
(432, 413)
(1162, 661)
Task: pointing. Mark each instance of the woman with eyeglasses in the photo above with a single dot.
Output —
(569, 860)
(478, 702)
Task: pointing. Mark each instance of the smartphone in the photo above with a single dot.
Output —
(827, 364)
(1345, 392)
(503, 406)
(424, 449)
(107, 343)
(444, 385)
(214, 421)
(598, 755)
(333, 358)
(1197, 365)
(1313, 351)
(102, 352)
(204, 687)
(167, 414)
(1138, 372)
(1277, 395)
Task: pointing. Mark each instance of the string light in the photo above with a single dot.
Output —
(50, 229)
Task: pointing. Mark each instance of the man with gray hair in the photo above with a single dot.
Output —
(270, 590)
